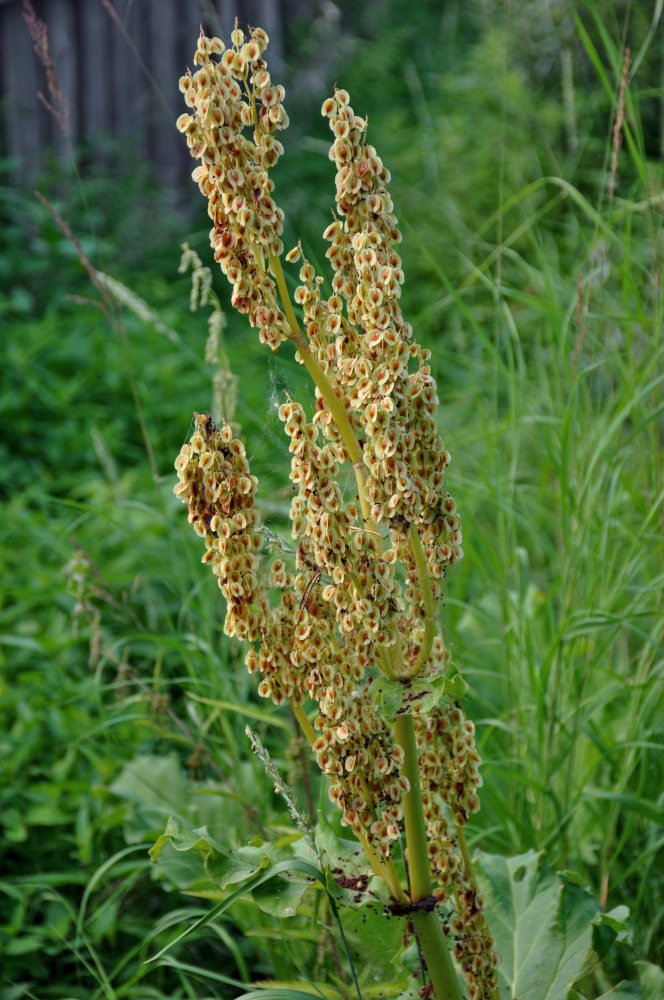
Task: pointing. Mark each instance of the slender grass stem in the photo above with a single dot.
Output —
(465, 853)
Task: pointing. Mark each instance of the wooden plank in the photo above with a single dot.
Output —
(189, 16)
(268, 15)
(129, 87)
(189, 19)
(96, 104)
(59, 16)
(166, 142)
(98, 64)
(24, 120)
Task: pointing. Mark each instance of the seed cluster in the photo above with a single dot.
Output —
(452, 771)
(403, 451)
(369, 353)
(361, 584)
(358, 598)
(295, 646)
(448, 766)
(356, 750)
(227, 96)
(214, 480)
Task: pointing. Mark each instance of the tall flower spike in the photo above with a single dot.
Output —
(403, 451)
(230, 94)
(215, 482)
(340, 612)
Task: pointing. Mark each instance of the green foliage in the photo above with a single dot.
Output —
(277, 879)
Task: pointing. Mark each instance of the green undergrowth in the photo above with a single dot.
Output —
(122, 703)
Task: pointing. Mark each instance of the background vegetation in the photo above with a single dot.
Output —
(538, 289)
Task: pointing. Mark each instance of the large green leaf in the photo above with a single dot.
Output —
(153, 781)
(276, 993)
(609, 928)
(542, 925)
(651, 978)
(153, 787)
(182, 838)
(279, 896)
(291, 866)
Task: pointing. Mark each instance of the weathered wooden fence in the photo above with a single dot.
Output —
(117, 64)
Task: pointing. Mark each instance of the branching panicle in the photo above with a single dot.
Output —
(359, 598)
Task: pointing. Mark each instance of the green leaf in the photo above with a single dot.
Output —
(229, 867)
(397, 696)
(350, 878)
(541, 923)
(152, 781)
(653, 812)
(410, 994)
(245, 711)
(610, 927)
(223, 867)
(292, 866)
(183, 838)
(279, 994)
(387, 696)
(155, 787)
(280, 896)
(651, 978)
(623, 991)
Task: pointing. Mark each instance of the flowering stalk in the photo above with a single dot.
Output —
(353, 628)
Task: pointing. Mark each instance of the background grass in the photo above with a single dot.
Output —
(540, 298)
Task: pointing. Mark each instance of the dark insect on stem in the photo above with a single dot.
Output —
(424, 905)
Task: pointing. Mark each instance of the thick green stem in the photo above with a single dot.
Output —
(427, 924)
(436, 953)
(416, 834)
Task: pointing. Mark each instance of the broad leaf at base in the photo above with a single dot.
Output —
(542, 925)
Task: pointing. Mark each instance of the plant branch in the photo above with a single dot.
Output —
(384, 869)
(427, 924)
(429, 603)
(326, 389)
